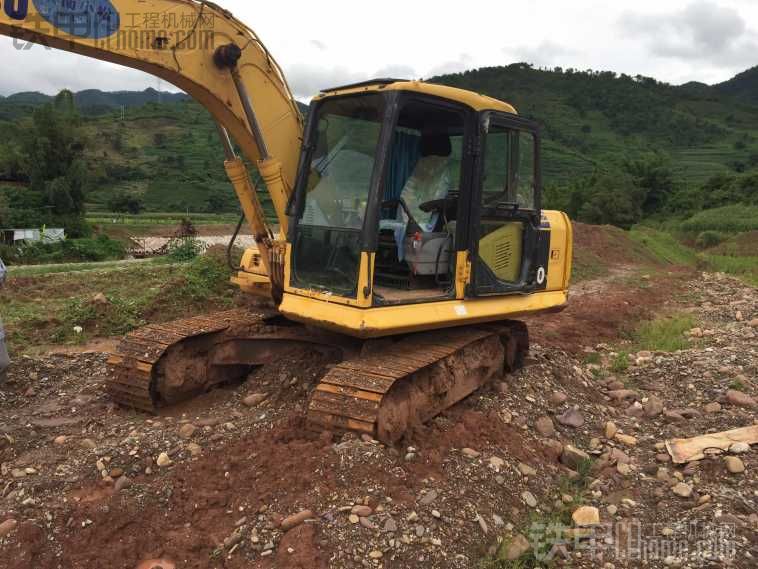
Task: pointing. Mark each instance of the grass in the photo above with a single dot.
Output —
(45, 309)
(745, 268)
(664, 334)
(592, 358)
(557, 518)
(620, 362)
(728, 219)
(664, 246)
(39, 270)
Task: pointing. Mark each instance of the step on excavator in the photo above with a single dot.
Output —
(409, 234)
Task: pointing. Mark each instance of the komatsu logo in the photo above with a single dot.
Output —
(81, 18)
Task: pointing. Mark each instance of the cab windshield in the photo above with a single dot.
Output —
(340, 168)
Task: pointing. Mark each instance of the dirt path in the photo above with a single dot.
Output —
(84, 484)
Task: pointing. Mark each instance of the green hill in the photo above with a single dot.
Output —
(743, 85)
(164, 147)
(597, 120)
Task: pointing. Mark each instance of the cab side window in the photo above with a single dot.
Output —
(509, 168)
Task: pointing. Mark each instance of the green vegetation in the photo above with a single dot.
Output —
(96, 249)
(544, 525)
(728, 219)
(620, 149)
(620, 362)
(664, 334)
(664, 246)
(134, 293)
(45, 156)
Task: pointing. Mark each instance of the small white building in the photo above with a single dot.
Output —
(46, 235)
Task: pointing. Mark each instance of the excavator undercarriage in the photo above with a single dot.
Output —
(379, 387)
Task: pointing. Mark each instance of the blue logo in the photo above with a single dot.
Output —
(94, 19)
(16, 9)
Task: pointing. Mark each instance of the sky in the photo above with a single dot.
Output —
(332, 42)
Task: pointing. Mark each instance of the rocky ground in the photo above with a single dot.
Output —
(563, 461)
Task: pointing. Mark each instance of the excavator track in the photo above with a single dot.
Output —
(410, 381)
(381, 388)
(134, 366)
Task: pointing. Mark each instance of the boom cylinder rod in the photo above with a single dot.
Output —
(255, 127)
(226, 142)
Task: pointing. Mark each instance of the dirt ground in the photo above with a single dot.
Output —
(213, 483)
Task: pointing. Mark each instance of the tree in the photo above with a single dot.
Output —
(52, 159)
(4, 211)
(652, 174)
(124, 202)
(605, 198)
(215, 204)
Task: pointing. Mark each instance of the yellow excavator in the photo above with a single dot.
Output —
(409, 238)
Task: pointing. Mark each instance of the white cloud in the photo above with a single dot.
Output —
(672, 40)
(306, 80)
(546, 54)
(462, 63)
(704, 31)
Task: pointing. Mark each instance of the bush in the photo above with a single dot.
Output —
(101, 248)
(184, 249)
(708, 239)
(205, 277)
(124, 202)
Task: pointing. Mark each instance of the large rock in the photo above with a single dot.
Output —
(558, 398)
(362, 511)
(187, 431)
(586, 516)
(7, 527)
(571, 418)
(653, 407)
(682, 490)
(296, 519)
(610, 430)
(164, 460)
(627, 440)
(734, 465)
(623, 394)
(573, 457)
(740, 399)
(254, 400)
(517, 548)
(545, 426)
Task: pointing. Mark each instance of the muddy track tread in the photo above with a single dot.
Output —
(349, 395)
(132, 379)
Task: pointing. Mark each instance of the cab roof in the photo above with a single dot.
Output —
(474, 100)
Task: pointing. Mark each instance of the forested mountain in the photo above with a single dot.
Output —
(743, 85)
(619, 148)
(91, 102)
(616, 148)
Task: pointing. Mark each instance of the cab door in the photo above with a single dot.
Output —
(509, 242)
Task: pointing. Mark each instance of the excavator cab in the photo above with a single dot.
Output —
(414, 196)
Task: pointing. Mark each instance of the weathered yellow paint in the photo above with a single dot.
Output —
(474, 100)
(395, 319)
(462, 274)
(361, 300)
(561, 250)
